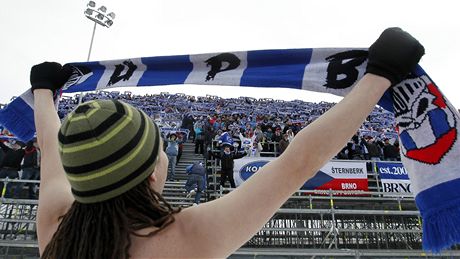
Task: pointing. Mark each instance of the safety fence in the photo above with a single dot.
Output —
(378, 222)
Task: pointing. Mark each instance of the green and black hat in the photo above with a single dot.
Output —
(107, 147)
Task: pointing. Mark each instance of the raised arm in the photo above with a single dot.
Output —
(223, 225)
(55, 195)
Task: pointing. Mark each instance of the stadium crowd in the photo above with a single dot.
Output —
(260, 127)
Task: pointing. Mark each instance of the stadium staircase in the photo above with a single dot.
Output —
(174, 191)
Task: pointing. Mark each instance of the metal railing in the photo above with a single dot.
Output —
(311, 223)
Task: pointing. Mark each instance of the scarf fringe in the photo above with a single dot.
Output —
(441, 228)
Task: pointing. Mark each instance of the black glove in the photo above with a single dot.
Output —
(49, 75)
(394, 55)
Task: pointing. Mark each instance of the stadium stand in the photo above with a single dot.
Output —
(373, 223)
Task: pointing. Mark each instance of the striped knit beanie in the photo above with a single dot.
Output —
(107, 147)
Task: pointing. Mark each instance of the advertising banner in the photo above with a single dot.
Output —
(335, 175)
(247, 166)
(340, 176)
(394, 177)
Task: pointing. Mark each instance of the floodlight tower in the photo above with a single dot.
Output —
(99, 16)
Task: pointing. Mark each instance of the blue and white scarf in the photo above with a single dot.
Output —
(428, 124)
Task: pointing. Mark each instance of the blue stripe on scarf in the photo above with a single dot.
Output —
(438, 117)
(166, 70)
(407, 140)
(276, 68)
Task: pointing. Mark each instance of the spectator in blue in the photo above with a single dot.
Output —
(269, 134)
(172, 150)
(217, 124)
(196, 181)
(199, 137)
(30, 169)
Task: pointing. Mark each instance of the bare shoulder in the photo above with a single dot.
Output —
(171, 242)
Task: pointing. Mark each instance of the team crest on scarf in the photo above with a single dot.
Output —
(79, 75)
(426, 121)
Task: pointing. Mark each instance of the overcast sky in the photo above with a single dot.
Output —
(33, 31)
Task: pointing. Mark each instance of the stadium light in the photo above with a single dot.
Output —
(102, 9)
(98, 16)
(111, 15)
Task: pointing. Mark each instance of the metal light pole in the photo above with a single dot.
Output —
(99, 16)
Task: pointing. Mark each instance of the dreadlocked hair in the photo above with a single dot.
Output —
(102, 230)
